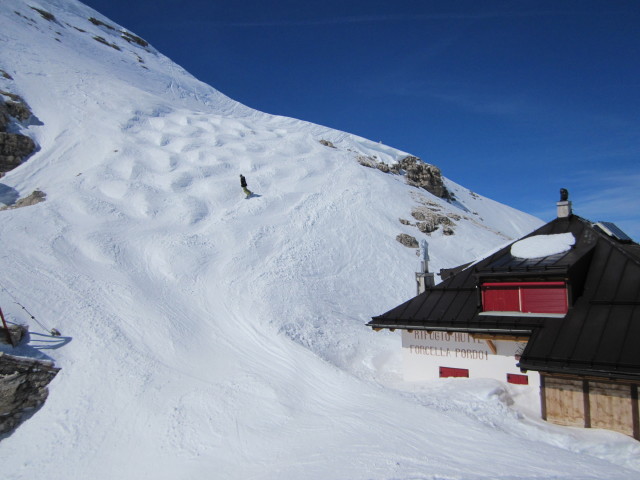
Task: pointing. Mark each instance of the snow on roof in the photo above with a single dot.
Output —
(543, 245)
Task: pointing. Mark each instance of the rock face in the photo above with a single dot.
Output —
(14, 147)
(12, 335)
(407, 240)
(425, 176)
(23, 389)
(416, 172)
(429, 222)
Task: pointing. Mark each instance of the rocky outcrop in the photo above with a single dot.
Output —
(23, 388)
(36, 196)
(430, 216)
(429, 221)
(415, 171)
(327, 143)
(15, 107)
(424, 175)
(14, 147)
(13, 334)
(407, 240)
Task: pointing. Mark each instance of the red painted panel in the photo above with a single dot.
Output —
(517, 379)
(544, 299)
(527, 297)
(521, 284)
(453, 372)
(500, 299)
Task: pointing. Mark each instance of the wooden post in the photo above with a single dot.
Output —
(634, 412)
(587, 403)
(543, 397)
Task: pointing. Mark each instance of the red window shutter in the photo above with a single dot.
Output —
(527, 297)
(500, 299)
(453, 372)
(517, 379)
(544, 299)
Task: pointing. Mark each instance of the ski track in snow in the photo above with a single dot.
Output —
(206, 334)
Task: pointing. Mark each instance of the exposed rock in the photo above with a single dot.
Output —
(420, 214)
(407, 240)
(428, 221)
(13, 108)
(18, 109)
(12, 96)
(13, 335)
(36, 196)
(100, 39)
(100, 23)
(327, 143)
(77, 28)
(131, 38)
(372, 162)
(23, 388)
(416, 172)
(44, 14)
(366, 161)
(427, 227)
(425, 176)
(404, 222)
(14, 148)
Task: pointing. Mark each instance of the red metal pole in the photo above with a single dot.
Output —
(4, 323)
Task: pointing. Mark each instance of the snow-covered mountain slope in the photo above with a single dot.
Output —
(210, 336)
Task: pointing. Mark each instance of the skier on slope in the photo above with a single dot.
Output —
(243, 184)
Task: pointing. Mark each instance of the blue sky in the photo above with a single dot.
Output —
(512, 99)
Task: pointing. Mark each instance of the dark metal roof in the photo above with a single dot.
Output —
(599, 335)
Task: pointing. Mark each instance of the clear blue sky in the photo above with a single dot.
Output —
(512, 99)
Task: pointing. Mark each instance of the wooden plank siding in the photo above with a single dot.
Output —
(563, 400)
(611, 406)
(591, 403)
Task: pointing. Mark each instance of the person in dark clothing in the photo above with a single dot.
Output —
(243, 184)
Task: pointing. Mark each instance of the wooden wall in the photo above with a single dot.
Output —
(591, 403)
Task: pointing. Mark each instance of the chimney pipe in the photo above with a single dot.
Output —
(564, 205)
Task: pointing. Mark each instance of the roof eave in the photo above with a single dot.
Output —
(581, 372)
(440, 328)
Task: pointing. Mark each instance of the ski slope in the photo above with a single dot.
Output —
(206, 335)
